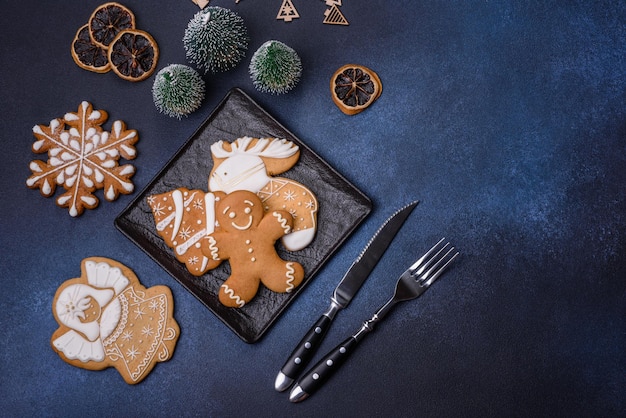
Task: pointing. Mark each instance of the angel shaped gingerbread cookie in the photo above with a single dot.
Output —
(108, 319)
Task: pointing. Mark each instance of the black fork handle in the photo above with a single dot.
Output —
(323, 370)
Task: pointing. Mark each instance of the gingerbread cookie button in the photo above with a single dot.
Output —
(108, 319)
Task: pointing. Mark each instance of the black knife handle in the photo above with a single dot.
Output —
(306, 348)
(326, 367)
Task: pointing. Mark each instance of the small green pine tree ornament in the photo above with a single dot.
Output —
(275, 68)
(178, 90)
(216, 39)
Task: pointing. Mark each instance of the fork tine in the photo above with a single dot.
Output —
(437, 269)
(432, 260)
(421, 260)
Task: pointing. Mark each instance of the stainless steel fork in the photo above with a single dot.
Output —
(411, 284)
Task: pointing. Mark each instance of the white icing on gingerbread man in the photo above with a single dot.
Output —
(247, 238)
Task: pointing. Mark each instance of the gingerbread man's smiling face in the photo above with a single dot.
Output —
(239, 211)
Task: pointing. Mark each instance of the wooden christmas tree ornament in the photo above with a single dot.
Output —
(287, 11)
(201, 3)
(333, 16)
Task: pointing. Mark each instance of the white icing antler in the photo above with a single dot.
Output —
(264, 147)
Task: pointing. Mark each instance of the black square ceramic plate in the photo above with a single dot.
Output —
(236, 116)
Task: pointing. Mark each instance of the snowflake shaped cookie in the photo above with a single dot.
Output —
(82, 157)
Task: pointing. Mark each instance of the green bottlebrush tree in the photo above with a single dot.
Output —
(178, 90)
(275, 68)
(216, 39)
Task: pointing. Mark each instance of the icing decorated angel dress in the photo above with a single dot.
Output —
(108, 319)
(185, 217)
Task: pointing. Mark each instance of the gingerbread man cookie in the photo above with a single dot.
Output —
(247, 238)
(108, 319)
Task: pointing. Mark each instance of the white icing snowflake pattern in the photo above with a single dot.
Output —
(139, 313)
(310, 204)
(193, 260)
(185, 233)
(127, 335)
(83, 158)
(147, 331)
(198, 204)
(290, 195)
(158, 209)
(132, 353)
(154, 305)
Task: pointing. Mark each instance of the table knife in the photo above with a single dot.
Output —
(343, 294)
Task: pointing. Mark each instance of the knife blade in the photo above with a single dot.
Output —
(342, 295)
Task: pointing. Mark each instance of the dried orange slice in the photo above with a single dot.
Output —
(107, 21)
(133, 54)
(354, 87)
(88, 55)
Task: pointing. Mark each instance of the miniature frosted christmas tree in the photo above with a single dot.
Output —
(216, 39)
(178, 90)
(275, 68)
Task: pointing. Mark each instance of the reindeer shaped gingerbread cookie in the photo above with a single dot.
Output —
(251, 164)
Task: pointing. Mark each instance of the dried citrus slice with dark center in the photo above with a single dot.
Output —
(354, 88)
(107, 21)
(87, 54)
(133, 54)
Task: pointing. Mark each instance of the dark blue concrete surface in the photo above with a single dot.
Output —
(506, 119)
